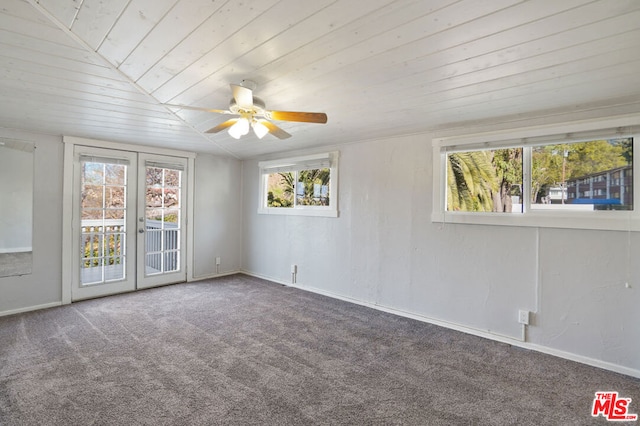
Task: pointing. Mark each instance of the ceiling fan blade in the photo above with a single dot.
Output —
(275, 130)
(304, 117)
(193, 108)
(243, 96)
(222, 126)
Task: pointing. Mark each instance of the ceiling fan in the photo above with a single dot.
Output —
(253, 114)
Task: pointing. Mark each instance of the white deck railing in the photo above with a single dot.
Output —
(103, 249)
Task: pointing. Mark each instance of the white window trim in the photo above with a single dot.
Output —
(534, 136)
(300, 163)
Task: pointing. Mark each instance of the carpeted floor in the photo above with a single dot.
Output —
(243, 351)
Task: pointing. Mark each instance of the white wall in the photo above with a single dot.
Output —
(43, 286)
(384, 250)
(16, 202)
(217, 218)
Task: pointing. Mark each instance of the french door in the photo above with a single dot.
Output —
(161, 218)
(129, 221)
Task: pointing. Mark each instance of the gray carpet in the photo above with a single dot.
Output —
(243, 351)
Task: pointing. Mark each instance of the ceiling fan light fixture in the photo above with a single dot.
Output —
(259, 129)
(240, 128)
(252, 114)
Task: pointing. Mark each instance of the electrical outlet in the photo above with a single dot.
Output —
(523, 317)
(294, 269)
(217, 260)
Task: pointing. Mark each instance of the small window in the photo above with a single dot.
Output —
(311, 188)
(280, 189)
(300, 186)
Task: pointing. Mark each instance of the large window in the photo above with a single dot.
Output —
(578, 179)
(302, 185)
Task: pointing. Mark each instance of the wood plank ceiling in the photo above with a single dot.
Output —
(104, 68)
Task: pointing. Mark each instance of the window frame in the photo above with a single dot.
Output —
(295, 164)
(527, 138)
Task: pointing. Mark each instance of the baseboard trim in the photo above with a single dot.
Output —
(277, 281)
(584, 360)
(487, 334)
(30, 308)
(208, 277)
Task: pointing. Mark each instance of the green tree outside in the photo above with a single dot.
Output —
(471, 181)
(485, 180)
(281, 188)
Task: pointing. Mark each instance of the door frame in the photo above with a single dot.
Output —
(69, 143)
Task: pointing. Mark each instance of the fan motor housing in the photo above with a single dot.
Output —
(258, 106)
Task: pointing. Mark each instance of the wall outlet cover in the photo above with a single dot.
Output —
(524, 317)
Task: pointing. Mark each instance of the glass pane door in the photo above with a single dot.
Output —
(104, 199)
(162, 222)
(103, 210)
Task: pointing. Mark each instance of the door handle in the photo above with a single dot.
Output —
(140, 231)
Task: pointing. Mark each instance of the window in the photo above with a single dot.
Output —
(485, 180)
(300, 186)
(579, 179)
(310, 187)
